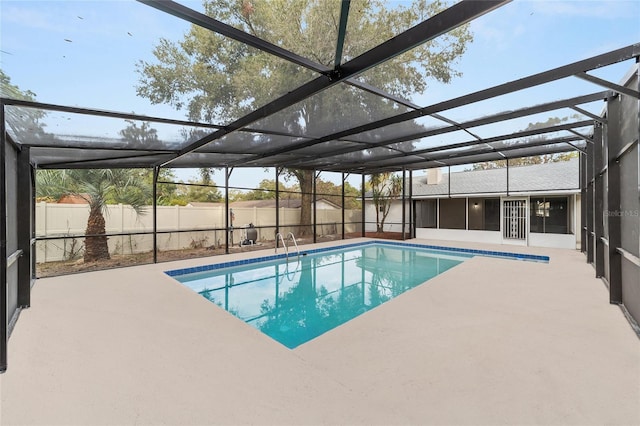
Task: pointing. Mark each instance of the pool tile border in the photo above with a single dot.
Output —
(476, 252)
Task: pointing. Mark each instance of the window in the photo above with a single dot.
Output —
(492, 214)
(453, 213)
(484, 214)
(426, 213)
(550, 215)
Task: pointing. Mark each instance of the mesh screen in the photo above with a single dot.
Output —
(629, 201)
(249, 142)
(338, 108)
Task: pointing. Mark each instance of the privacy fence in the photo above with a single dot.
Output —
(60, 227)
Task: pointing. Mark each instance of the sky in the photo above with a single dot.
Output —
(84, 53)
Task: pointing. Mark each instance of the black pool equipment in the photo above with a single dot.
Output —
(251, 235)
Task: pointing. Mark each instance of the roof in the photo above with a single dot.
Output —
(551, 177)
(74, 199)
(370, 130)
(287, 203)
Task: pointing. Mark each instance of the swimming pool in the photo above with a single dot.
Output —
(298, 298)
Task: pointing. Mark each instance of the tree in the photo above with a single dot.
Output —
(385, 187)
(305, 179)
(203, 189)
(98, 187)
(202, 192)
(144, 136)
(21, 122)
(220, 80)
(266, 190)
(167, 193)
(333, 193)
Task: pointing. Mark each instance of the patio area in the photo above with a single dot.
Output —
(490, 341)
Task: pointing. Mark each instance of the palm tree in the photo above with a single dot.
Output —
(98, 187)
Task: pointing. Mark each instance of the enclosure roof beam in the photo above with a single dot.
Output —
(552, 141)
(502, 116)
(103, 113)
(211, 24)
(582, 150)
(587, 139)
(506, 137)
(467, 155)
(379, 92)
(609, 85)
(342, 31)
(133, 151)
(522, 134)
(131, 116)
(453, 17)
(207, 22)
(455, 124)
(88, 163)
(609, 58)
(557, 148)
(589, 114)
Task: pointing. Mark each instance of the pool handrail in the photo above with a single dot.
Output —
(284, 244)
(290, 234)
(286, 250)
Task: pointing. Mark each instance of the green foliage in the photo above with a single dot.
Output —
(143, 136)
(385, 187)
(333, 193)
(200, 192)
(167, 192)
(96, 186)
(9, 90)
(325, 190)
(265, 191)
(203, 189)
(205, 174)
(219, 80)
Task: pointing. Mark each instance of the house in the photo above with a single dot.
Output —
(534, 205)
(74, 199)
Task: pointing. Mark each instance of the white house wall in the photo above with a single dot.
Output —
(323, 205)
(490, 237)
(567, 241)
(394, 221)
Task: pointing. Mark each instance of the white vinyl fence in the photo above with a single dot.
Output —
(64, 220)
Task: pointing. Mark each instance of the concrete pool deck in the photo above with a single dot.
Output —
(491, 341)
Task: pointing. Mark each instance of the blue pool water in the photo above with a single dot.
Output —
(297, 300)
